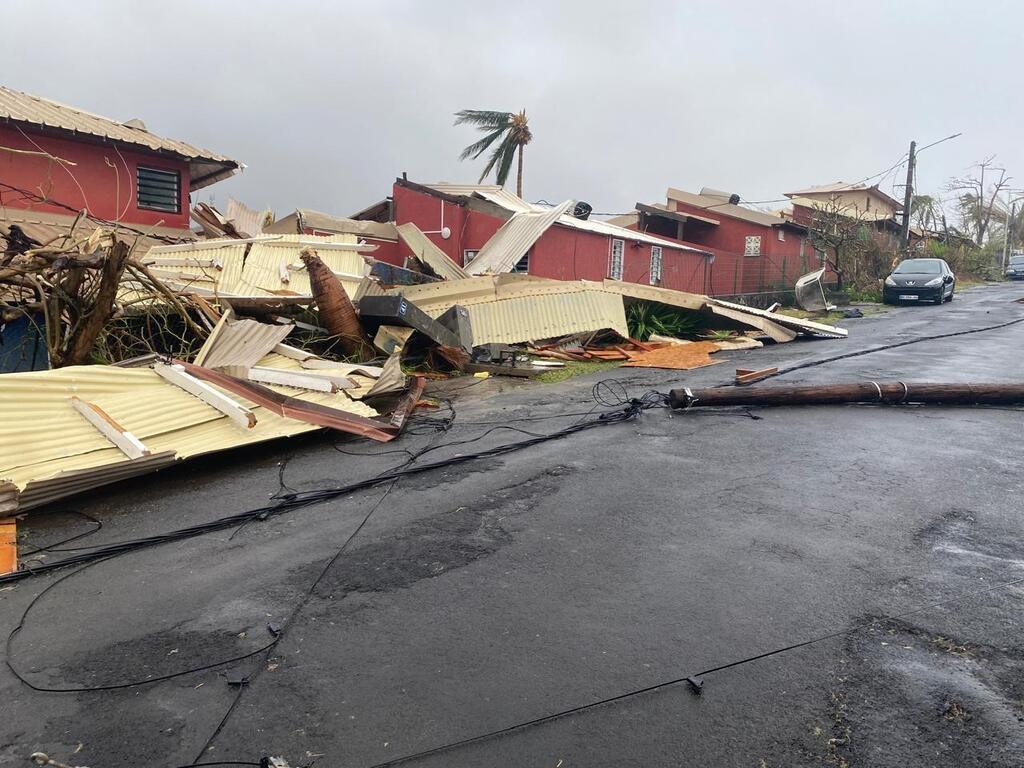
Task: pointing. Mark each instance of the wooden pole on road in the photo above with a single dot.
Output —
(891, 392)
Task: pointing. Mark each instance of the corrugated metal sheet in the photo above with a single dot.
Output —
(513, 239)
(325, 222)
(429, 253)
(720, 208)
(492, 192)
(513, 203)
(35, 110)
(44, 227)
(511, 308)
(258, 274)
(48, 448)
(248, 221)
(240, 343)
(532, 318)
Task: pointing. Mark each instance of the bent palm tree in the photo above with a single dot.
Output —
(514, 133)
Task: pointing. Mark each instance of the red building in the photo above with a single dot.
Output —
(461, 219)
(56, 160)
(754, 251)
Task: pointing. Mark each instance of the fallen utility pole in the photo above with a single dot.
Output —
(893, 392)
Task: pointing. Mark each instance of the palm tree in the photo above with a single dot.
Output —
(514, 133)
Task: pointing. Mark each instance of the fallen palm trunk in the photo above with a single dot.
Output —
(336, 310)
(894, 393)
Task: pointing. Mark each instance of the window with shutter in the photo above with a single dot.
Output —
(158, 190)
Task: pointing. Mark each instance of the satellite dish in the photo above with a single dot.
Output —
(582, 210)
(446, 232)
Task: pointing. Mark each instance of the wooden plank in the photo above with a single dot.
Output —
(181, 277)
(128, 443)
(211, 340)
(502, 370)
(747, 376)
(318, 382)
(772, 330)
(8, 545)
(176, 375)
(186, 262)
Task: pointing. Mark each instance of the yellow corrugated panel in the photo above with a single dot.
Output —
(531, 318)
(256, 274)
(26, 108)
(262, 271)
(44, 441)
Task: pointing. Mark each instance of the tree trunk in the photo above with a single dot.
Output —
(337, 314)
(82, 338)
(519, 173)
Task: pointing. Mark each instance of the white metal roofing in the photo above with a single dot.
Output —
(716, 205)
(19, 107)
(515, 204)
(515, 237)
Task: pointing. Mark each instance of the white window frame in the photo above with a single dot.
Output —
(657, 261)
(781, 234)
(613, 273)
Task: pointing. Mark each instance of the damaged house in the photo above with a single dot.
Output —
(557, 242)
(57, 160)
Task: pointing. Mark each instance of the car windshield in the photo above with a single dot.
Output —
(919, 267)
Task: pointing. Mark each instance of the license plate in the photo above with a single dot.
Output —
(908, 297)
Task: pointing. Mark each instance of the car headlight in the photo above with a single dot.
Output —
(933, 283)
(890, 282)
(1011, 272)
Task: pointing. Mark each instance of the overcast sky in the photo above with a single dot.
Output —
(327, 102)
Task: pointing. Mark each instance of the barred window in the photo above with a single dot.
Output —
(158, 190)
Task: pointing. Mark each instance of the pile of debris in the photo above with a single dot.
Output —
(249, 337)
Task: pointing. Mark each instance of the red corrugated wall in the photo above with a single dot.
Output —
(562, 253)
(107, 191)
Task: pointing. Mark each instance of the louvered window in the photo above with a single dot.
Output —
(158, 190)
(655, 273)
(615, 267)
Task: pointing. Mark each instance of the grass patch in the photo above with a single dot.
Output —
(574, 368)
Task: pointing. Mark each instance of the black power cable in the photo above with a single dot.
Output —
(288, 502)
(678, 680)
(883, 347)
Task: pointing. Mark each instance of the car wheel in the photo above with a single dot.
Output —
(950, 298)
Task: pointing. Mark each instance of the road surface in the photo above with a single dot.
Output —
(493, 593)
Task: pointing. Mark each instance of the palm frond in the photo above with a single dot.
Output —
(507, 158)
(477, 148)
(505, 148)
(485, 118)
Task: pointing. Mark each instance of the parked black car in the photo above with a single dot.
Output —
(918, 280)
(1015, 269)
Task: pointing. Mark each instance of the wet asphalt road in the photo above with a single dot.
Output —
(510, 588)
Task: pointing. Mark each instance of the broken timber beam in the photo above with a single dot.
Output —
(893, 393)
(176, 375)
(128, 443)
